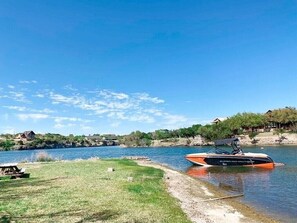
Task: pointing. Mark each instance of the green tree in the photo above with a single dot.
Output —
(161, 134)
(284, 117)
(7, 144)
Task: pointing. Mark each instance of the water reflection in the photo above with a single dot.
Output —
(231, 179)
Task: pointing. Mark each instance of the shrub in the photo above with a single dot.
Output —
(44, 157)
(252, 135)
(7, 144)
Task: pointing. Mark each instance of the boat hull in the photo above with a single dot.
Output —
(203, 159)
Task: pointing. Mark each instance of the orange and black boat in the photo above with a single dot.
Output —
(221, 157)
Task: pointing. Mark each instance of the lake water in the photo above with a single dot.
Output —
(271, 191)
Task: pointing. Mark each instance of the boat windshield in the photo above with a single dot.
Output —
(218, 151)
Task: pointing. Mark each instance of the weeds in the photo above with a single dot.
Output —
(44, 157)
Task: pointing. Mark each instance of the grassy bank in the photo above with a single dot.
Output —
(84, 191)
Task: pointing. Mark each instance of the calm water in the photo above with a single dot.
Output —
(272, 191)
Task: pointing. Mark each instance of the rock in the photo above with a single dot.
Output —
(110, 169)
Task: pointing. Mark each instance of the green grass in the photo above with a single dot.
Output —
(84, 191)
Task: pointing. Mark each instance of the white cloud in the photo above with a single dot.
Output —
(22, 109)
(117, 115)
(70, 88)
(58, 98)
(174, 119)
(67, 122)
(17, 108)
(117, 108)
(146, 97)
(32, 116)
(45, 110)
(85, 127)
(60, 125)
(142, 118)
(18, 96)
(70, 119)
(109, 94)
(28, 82)
(156, 112)
(11, 86)
(137, 107)
(39, 95)
(3, 96)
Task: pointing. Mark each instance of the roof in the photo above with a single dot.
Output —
(221, 142)
(219, 120)
(28, 132)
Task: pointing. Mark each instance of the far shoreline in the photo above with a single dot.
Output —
(152, 147)
(265, 139)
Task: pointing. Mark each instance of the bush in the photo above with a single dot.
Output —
(252, 135)
(44, 157)
(7, 144)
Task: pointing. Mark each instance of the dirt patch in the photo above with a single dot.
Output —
(198, 200)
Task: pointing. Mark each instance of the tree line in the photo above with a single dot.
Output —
(241, 123)
(48, 140)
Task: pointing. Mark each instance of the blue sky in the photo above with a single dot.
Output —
(87, 67)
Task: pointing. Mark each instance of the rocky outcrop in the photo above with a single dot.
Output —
(197, 141)
(269, 138)
(261, 139)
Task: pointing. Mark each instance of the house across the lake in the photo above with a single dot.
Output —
(218, 120)
(28, 135)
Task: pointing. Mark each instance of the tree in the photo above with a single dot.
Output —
(7, 144)
(161, 134)
(284, 117)
(234, 123)
(280, 133)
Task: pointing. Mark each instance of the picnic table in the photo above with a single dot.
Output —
(12, 170)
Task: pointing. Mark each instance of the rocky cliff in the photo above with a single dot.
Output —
(261, 139)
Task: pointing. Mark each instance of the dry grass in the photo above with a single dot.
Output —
(84, 191)
(44, 157)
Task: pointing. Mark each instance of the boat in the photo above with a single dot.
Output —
(221, 157)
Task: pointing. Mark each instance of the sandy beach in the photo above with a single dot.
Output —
(201, 201)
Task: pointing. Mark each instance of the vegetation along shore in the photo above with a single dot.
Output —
(115, 191)
(278, 126)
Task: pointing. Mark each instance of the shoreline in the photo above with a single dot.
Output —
(195, 196)
(261, 140)
(161, 146)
